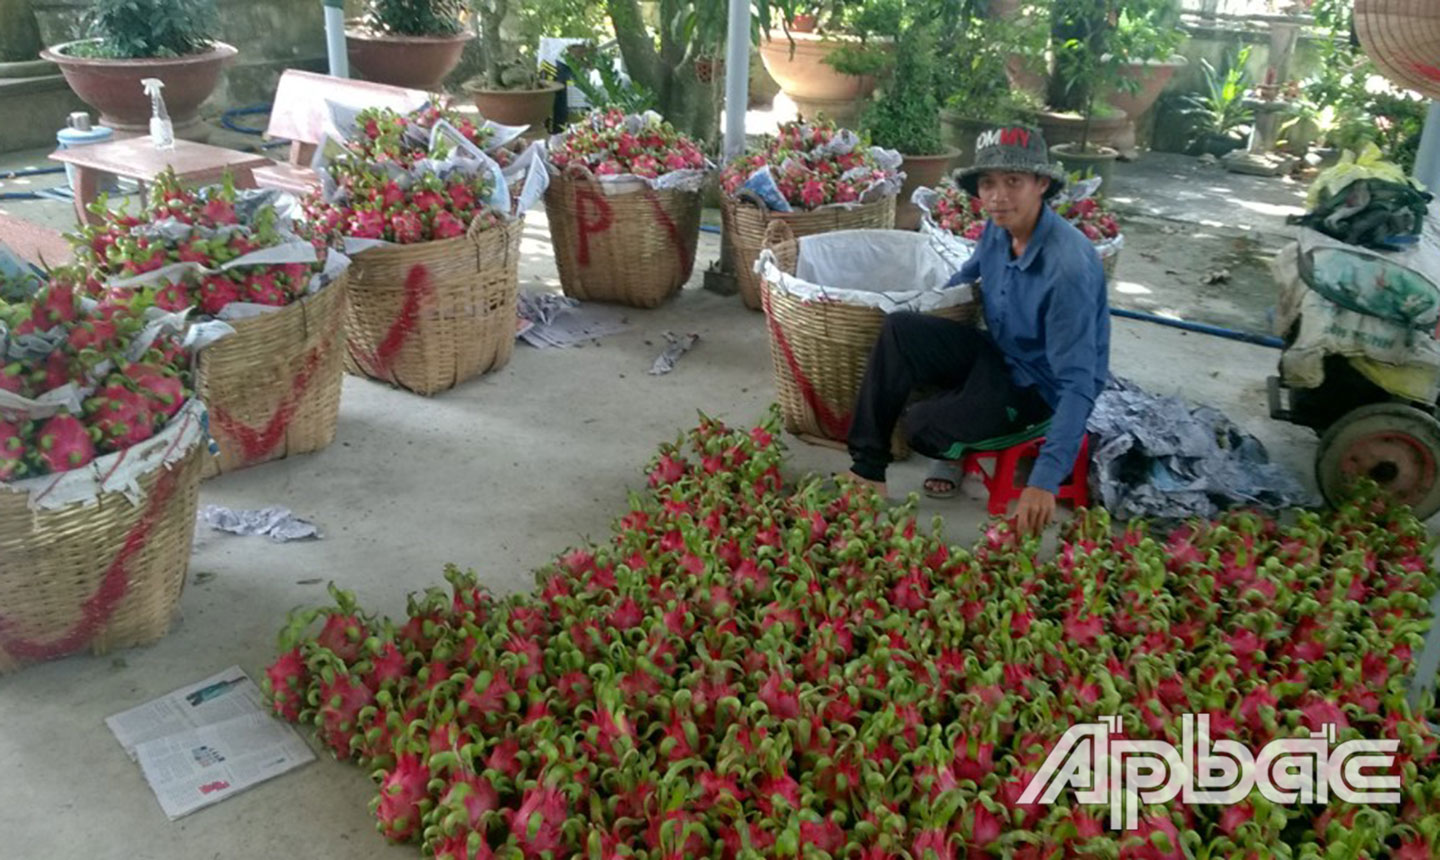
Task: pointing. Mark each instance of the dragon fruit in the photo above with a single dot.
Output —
(285, 683)
(407, 227)
(217, 291)
(63, 443)
(536, 825)
(404, 798)
(166, 391)
(122, 416)
(13, 452)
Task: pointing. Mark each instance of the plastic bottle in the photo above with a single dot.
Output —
(162, 133)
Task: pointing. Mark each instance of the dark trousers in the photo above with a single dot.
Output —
(977, 399)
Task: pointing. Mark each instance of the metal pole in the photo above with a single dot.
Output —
(1427, 160)
(737, 77)
(335, 38)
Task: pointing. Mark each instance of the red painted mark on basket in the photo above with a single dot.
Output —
(670, 229)
(418, 287)
(255, 444)
(604, 217)
(96, 611)
(1429, 71)
(837, 425)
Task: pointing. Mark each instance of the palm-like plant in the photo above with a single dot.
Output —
(1221, 107)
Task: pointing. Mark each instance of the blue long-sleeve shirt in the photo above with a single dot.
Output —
(1047, 312)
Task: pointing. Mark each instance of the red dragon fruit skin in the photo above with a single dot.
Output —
(12, 452)
(122, 415)
(63, 443)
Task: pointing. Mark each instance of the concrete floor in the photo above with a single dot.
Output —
(501, 475)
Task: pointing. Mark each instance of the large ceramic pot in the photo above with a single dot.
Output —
(960, 131)
(921, 171)
(809, 81)
(417, 62)
(1153, 77)
(1099, 163)
(1114, 131)
(516, 107)
(113, 87)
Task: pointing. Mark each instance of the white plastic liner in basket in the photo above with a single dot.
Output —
(862, 267)
(121, 471)
(925, 200)
(689, 180)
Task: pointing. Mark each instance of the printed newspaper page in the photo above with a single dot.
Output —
(205, 742)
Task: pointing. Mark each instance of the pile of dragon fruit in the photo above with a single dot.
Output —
(748, 670)
(121, 380)
(207, 227)
(610, 143)
(387, 136)
(385, 185)
(812, 165)
(956, 211)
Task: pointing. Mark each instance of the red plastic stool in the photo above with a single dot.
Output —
(1001, 481)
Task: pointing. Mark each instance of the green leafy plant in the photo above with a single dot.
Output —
(589, 61)
(1220, 108)
(907, 115)
(1085, 65)
(144, 29)
(416, 17)
(972, 77)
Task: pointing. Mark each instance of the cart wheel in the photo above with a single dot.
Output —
(1395, 445)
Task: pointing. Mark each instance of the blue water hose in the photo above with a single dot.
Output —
(1201, 328)
(227, 118)
(31, 171)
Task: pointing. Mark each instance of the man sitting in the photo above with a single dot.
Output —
(1044, 355)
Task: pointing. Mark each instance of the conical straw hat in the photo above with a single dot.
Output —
(1403, 38)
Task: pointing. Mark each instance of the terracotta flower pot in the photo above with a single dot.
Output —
(1094, 162)
(960, 131)
(815, 86)
(516, 107)
(417, 62)
(113, 87)
(1112, 131)
(1153, 76)
(920, 171)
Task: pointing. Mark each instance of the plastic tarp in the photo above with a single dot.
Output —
(1163, 458)
(869, 268)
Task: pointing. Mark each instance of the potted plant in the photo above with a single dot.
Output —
(974, 76)
(1085, 69)
(510, 91)
(408, 43)
(832, 67)
(1214, 114)
(1144, 42)
(906, 118)
(131, 40)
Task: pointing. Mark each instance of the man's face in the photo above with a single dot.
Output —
(1013, 199)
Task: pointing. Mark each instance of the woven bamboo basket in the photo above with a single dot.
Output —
(273, 387)
(634, 246)
(746, 220)
(819, 351)
(427, 317)
(97, 577)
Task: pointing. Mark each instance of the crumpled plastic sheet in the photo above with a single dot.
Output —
(278, 524)
(665, 361)
(1160, 457)
(560, 321)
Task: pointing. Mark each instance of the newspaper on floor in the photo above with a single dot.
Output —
(278, 524)
(557, 320)
(1163, 458)
(203, 743)
(665, 361)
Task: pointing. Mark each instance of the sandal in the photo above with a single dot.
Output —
(943, 471)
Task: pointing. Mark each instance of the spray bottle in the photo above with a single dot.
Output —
(162, 133)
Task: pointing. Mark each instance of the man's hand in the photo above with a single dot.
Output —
(1036, 508)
